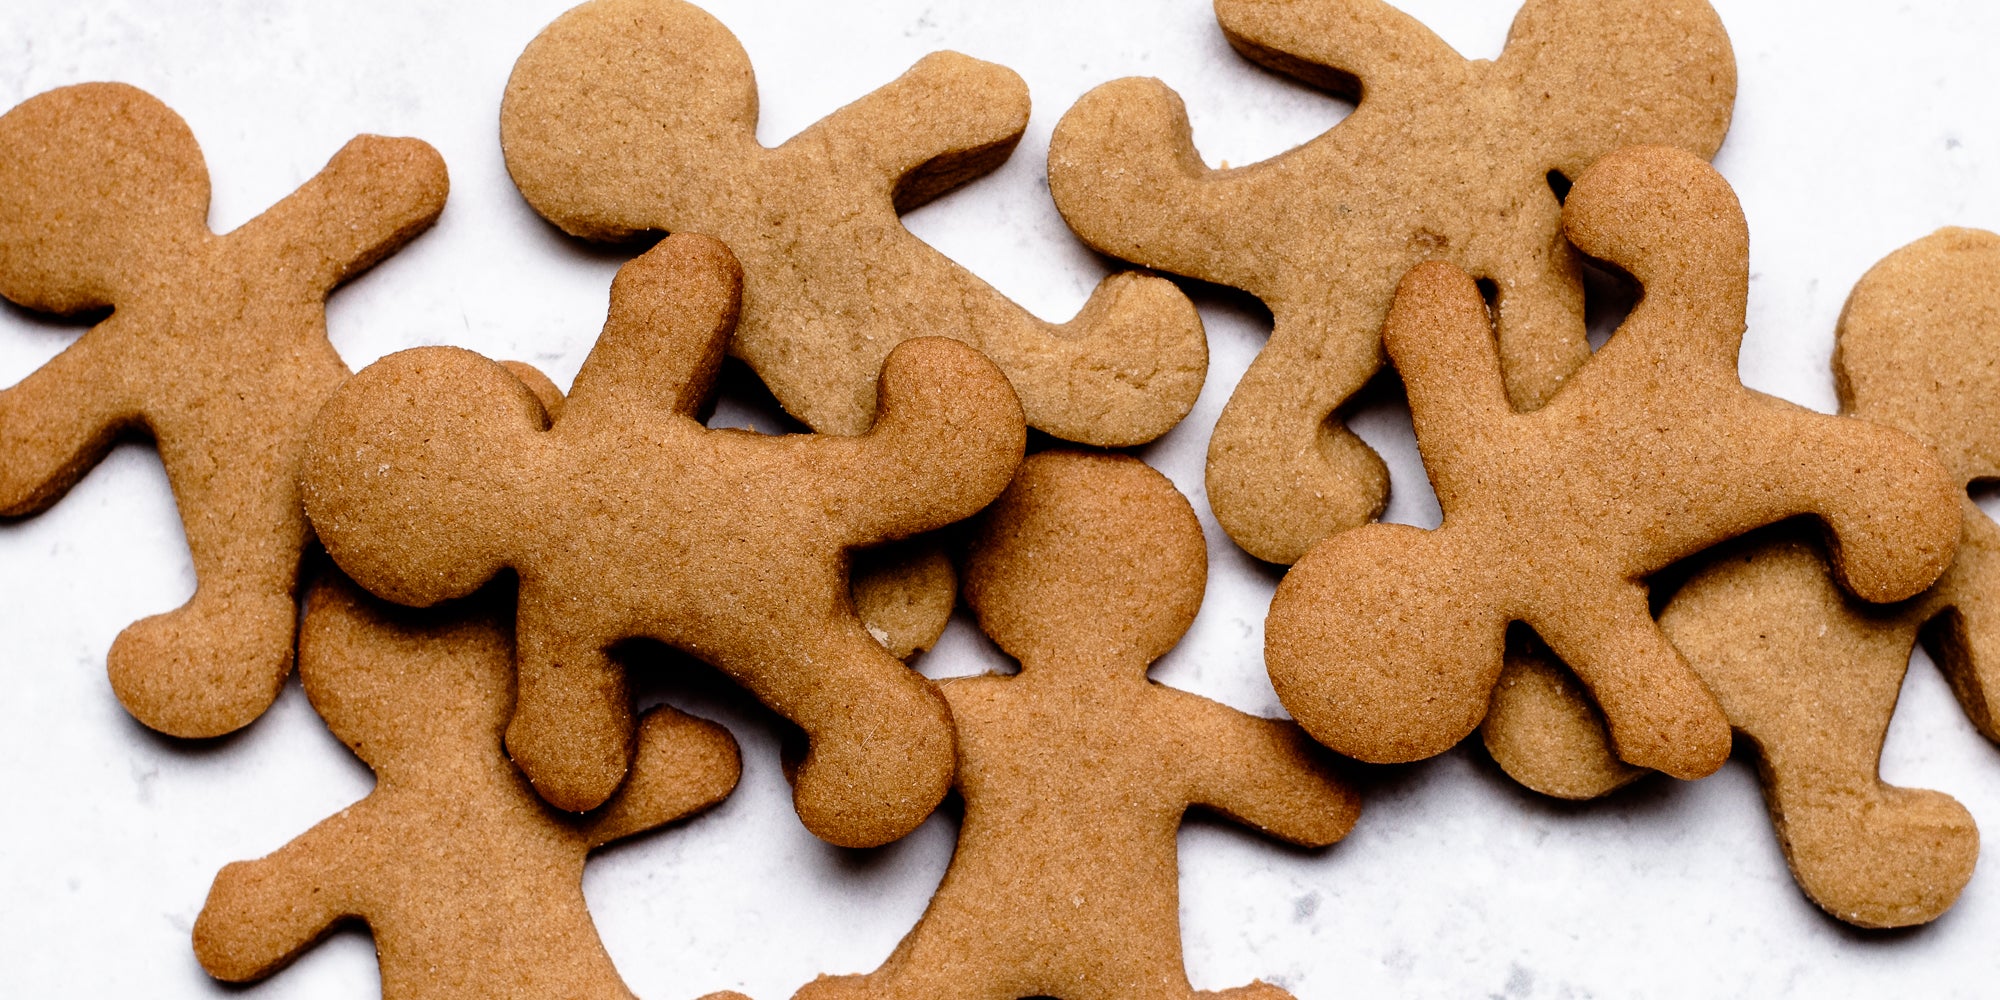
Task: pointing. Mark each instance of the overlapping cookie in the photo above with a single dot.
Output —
(1443, 159)
(470, 884)
(1076, 771)
(1810, 674)
(433, 470)
(1386, 641)
(625, 116)
(217, 349)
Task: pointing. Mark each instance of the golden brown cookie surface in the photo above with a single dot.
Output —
(1442, 159)
(469, 883)
(217, 349)
(625, 116)
(1385, 642)
(1077, 771)
(1811, 674)
(433, 470)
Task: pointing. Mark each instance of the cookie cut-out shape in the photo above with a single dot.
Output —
(1443, 159)
(1385, 641)
(1914, 350)
(625, 116)
(1076, 771)
(216, 348)
(471, 885)
(1811, 675)
(431, 471)
(1919, 349)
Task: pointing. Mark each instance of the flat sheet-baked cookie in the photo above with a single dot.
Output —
(1808, 673)
(631, 115)
(471, 886)
(433, 470)
(1442, 159)
(1076, 772)
(1385, 641)
(217, 349)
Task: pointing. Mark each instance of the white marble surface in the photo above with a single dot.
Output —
(1859, 127)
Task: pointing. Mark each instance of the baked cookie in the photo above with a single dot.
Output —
(1443, 159)
(1810, 674)
(1385, 641)
(433, 470)
(470, 885)
(1077, 771)
(625, 116)
(217, 349)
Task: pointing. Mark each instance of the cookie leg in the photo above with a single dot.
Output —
(1870, 854)
(57, 423)
(216, 663)
(1283, 472)
(1543, 730)
(1812, 678)
(881, 754)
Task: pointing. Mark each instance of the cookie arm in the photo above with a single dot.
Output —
(374, 196)
(1125, 175)
(1539, 317)
(1661, 714)
(672, 310)
(1670, 220)
(1440, 338)
(948, 120)
(1264, 773)
(262, 914)
(1891, 510)
(683, 765)
(59, 421)
(948, 436)
(1346, 47)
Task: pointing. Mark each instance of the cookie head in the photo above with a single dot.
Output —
(1917, 350)
(396, 684)
(599, 146)
(1595, 75)
(1087, 557)
(415, 473)
(1671, 221)
(94, 180)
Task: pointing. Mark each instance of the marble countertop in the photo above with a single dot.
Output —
(1859, 127)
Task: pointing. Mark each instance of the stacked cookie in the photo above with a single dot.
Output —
(545, 532)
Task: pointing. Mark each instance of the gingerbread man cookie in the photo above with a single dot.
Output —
(625, 116)
(1907, 345)
(1077, 771)
(1443, 159)
(217, 349)
(432, 470)
(471, 886)
(1385, 641)
(1812, 676)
